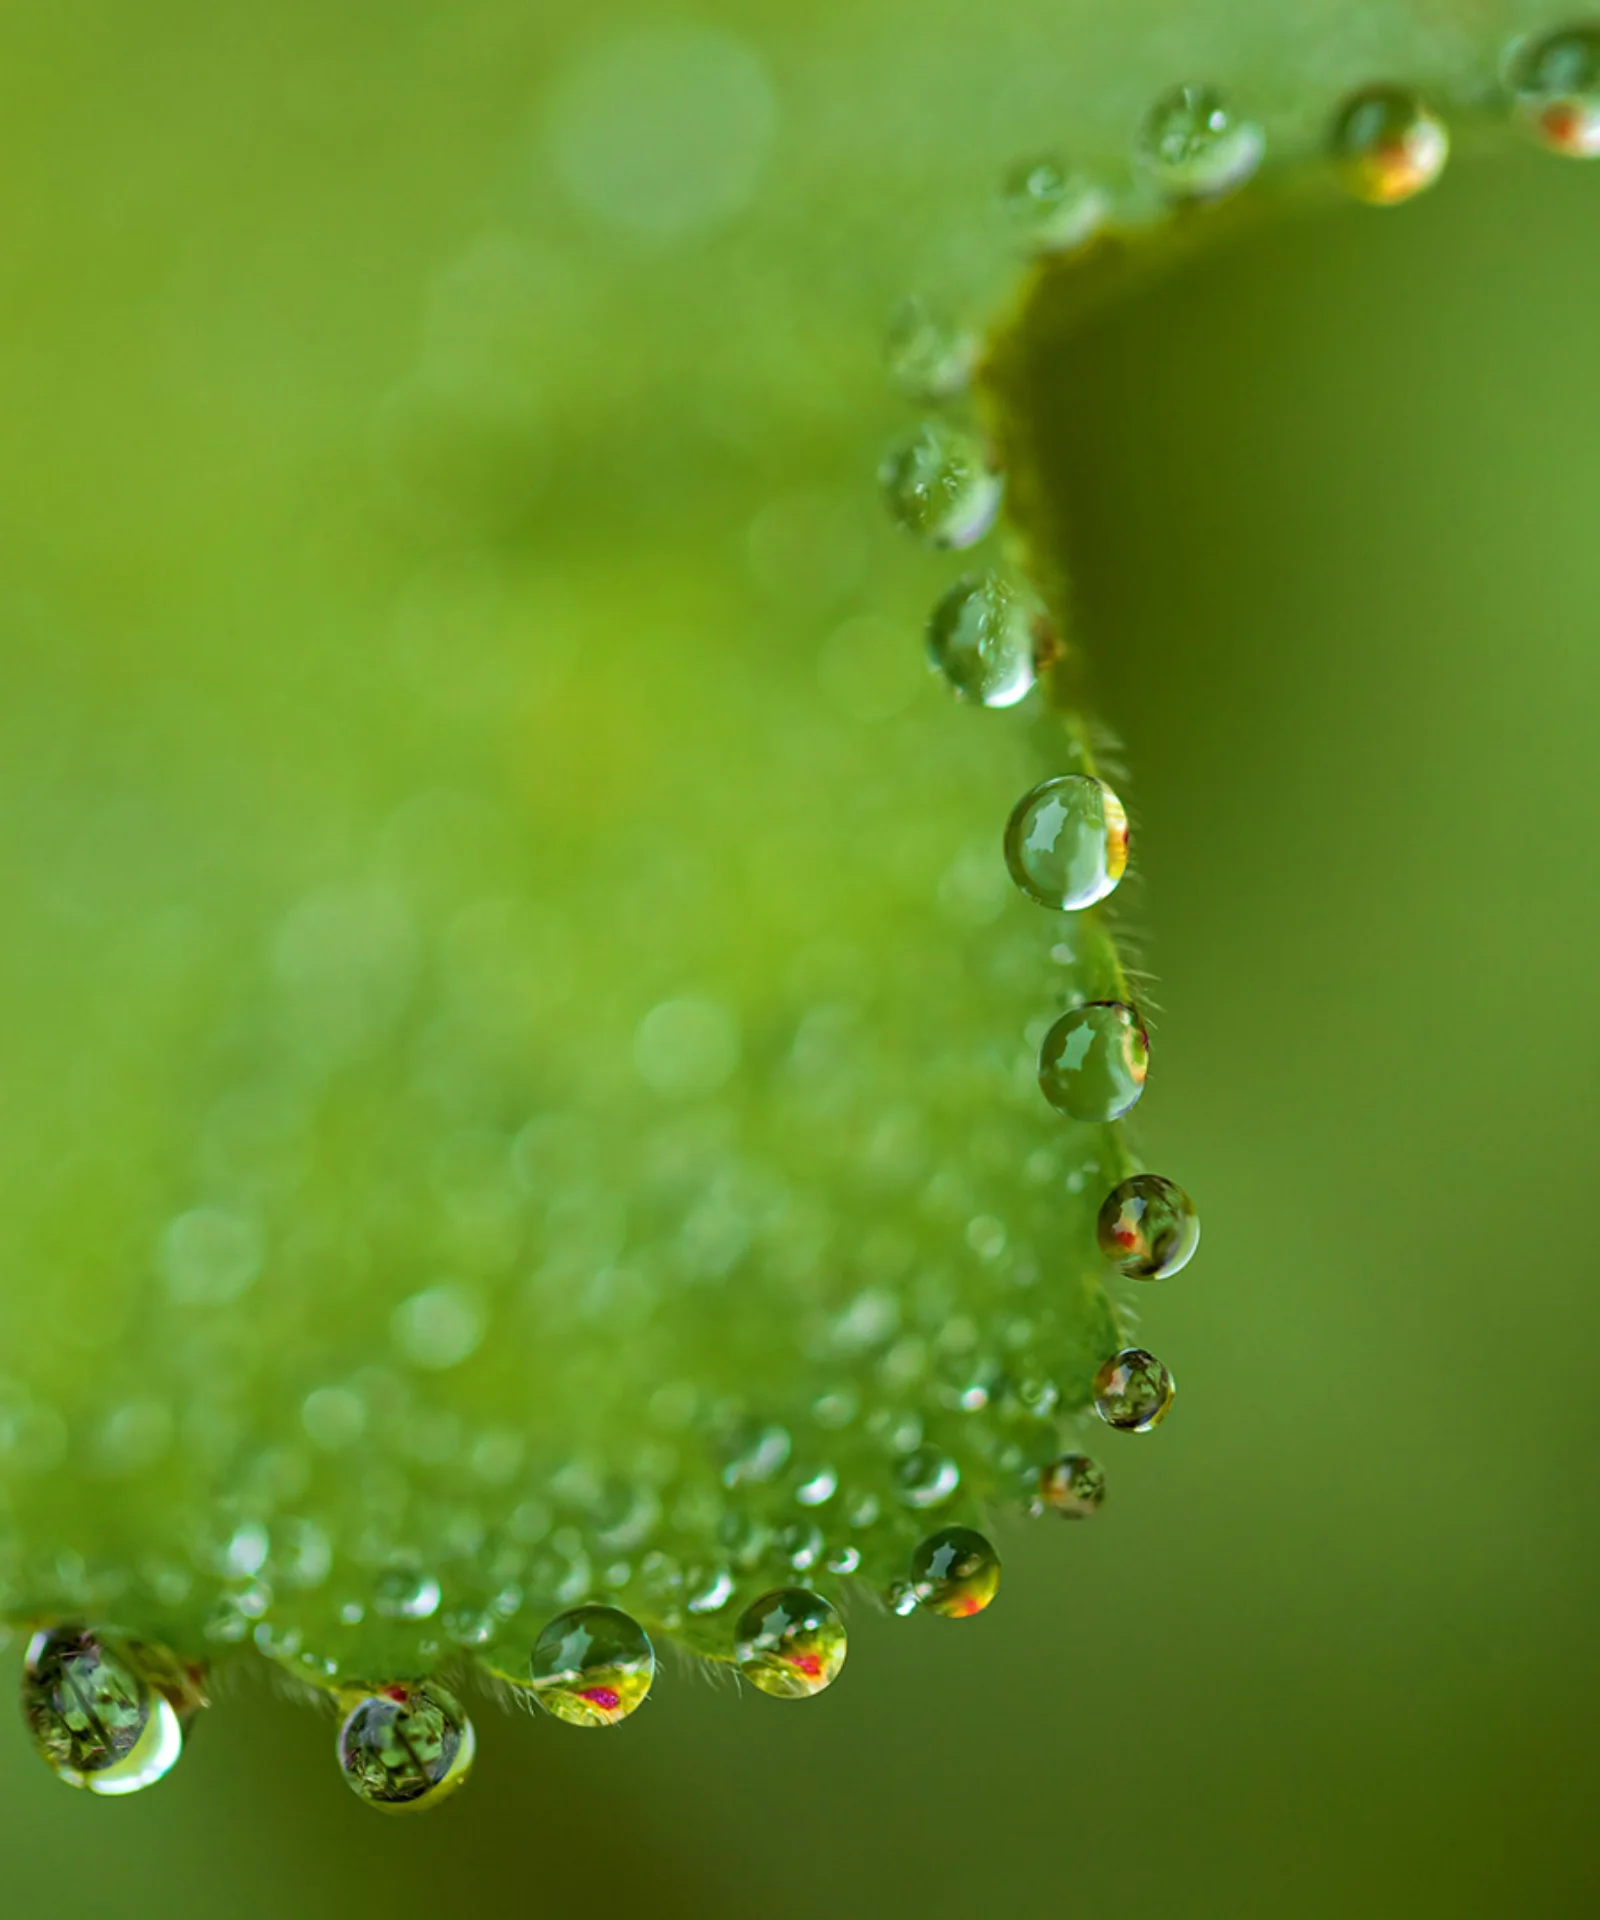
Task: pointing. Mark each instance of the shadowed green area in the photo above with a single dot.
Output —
(1328, 495)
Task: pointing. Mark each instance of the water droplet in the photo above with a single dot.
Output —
(1133, 1391)
(1073, 1486)
(927, 1477)
(1093, 1062)
(1049, 209)
(1066, 842)
(790, 1644)
(982, 639)
(711, 1592)
(211, 1256)
(439, 1327)
(902, 1598)
(334, 1417)
(96, 1719)
(955, 1573)
(1195, 147)
(844, 1560)
(592, 1667)
(929, 358)
(404, 1593)
(800, 1544)
(1148, 1228)
(686, 1048)
(939, 486)
(1388, 145)
(1556, 81)
(406, 1747)
(818, 1488)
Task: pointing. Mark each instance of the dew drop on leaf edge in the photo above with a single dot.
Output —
(955, 1573)
(1556, 83)
(1094, 1060)
(1147, 1227)
(1066, 842)
(592, 1666)
(790, 1643)
(1388, 145)
(406, 1747)
(1133, 1391)
(1195, 147)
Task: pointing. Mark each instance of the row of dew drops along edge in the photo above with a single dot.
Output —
(990, 638)
(111, 1714)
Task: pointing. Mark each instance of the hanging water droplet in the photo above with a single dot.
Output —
(790, 1643)
(928, 356)
(1133, 1391)
(1093, 1062)
(1195, 147)
(1388, 145)
(96, 1718)
(406, 1747)
(1148, 1228)
(927, 1477)
(983, 639)
(592, 1667)
(1556, 81)
(406, 1593)
(939, 486)
(955, 1573)
(1066, 842)
(1049, 209)
(1073, 1486)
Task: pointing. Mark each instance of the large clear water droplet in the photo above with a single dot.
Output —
(1073, 1486)
(592, 1667)
(955, 1573)
(406, 1747)
(1148, 1228)
(984, 637)
(1195, 147)
(939, 485)
(1066, 842)
(1050, 209)
(1556, 81)
(97, 1719)
(1133, 1391)
(790, 1643)
(929, 357)
(1388, 145)
(1093, 1062)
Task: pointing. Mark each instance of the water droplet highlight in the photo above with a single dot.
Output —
(1050, 209)
(790, 1644)
(983, 639)
(1133, 1391)
(928, 356)
(1094, 1060)
(592, 1667)
(1148, 1228)
(96, 1719)
(406, 1747)
(1073, 1486)
(955, 1573)
(1388, 145)
(1066, 842)
(403, 1593)
(940, 487)
(927, 1477)
(1195, 147)
(1556, 81)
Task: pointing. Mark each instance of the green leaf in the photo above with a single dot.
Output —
(519, 1034)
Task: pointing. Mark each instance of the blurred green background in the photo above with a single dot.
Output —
(1330, 1647)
